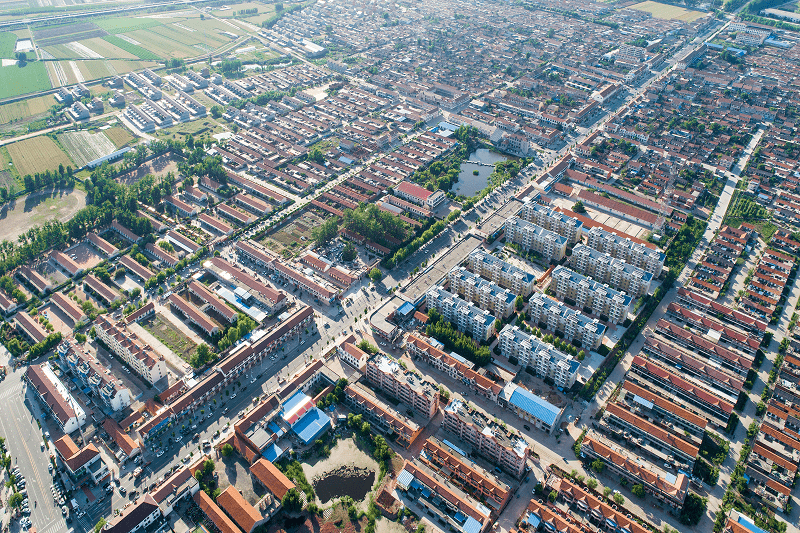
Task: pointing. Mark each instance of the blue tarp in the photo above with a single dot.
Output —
(313, 424)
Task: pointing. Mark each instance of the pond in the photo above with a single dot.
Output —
(347, 481)
(481, 161)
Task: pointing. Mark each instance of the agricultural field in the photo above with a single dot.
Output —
(117, 25)
(291, 235)
(37, 154)
(16, 79)
(170, 336)
(133, 49)
(123, 67)
(84, 147)
(92, 70)
(8, 175)
(25, 109)
(7, 42)
(119, 136)
(66, 33)
(668, 12)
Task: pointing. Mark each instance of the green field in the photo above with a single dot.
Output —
(119, 136)
(93, 70)
(124, 25)
(25, 109)
(668, 12)
(7, 43)
(138, 51)
(37, 154)
(16, 80)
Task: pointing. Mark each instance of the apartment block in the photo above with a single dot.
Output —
(127, 346)
(599, 299)
(542, 357)
(380, 415)
(574, 325)
(467, 317)
(614, 272)
(419, 394)
(548, 218)
(635, 254)
(501, 272)
(499, 446)
(532, 237)
(109, 389)
(487, 295)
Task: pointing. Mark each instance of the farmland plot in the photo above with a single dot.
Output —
(84, 147)
(37, 154)
(16, 80)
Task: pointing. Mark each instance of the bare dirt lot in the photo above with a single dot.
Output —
(85, 255)
(158, 166)
(35, 209)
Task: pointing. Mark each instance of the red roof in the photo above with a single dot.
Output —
(414, 190)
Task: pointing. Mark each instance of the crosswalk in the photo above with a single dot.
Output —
(57, 526)
(11, 391)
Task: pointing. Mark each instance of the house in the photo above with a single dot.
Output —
(135, 518)
(419, 195)
(55, 398)
(81, 461)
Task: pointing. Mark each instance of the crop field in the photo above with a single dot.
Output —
(123, 67)
(162, 329)
(668, 12)
(93, 70)
(37, 154)
(108, 50)
(25, 109)
(7, 43)
(125, 24)
(291, 234)
(83, 146)
(119, 136)
(16, 80)
(134, 49)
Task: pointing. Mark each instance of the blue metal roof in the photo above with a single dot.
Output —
(454, 447)
(296, 399)
(405, 309)
(276, 429)
(535, 406)
(272, 452)
(471, 526)
(312, 425)
(405, 478)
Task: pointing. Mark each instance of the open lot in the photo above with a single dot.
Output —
(85, 255)
(119, 136)
(20, 215)
(173, 338)
(17, 79)
(290, 235)
(668, 12)
(158, 166)
(84, 147)
(37, 154)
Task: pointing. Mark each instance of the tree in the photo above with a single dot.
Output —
(619, 498)
(15, 500)
(638, 490)
(694, 507)
(22, 57)
(227, 450)
(316, 156)
(99, 525)
(216, 111)
(553, 495)
(349, 253)
(519, 303)
(367, 346)
(606, 491)
(591, 483)
(291, 501)
(326, 231)
(598, 466)
(578, 207)
(375, 275)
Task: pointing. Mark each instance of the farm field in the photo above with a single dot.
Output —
(668, 12)
(92, 70)
(7, 42)
(169, 335)
(84, 147)
(37, 154)
(133, 49)
(25, 109)
(119, 136)
(8, 176)
(16, 80)
(290, 235)
(35, 209)
(121, 66)
(107, 50)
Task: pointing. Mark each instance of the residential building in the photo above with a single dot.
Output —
(635, 254)
(107, 388)
(193, 314)
(139, 356)
(80, 462)
(495, 443)
(467, 317)
(352, 354)
(29, 327)
(532, 237)
(529, 351)
(499, 271)
(486, 294)
(55, 398)
(419, 195)
(604, 268)
(585, 293)
(417, 393)
(380, 415)
(550, 219)
(558, 318)
(137, 517)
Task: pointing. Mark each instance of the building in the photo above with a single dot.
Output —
(245, 287)
(420, 395)
(450, 505)
(108, 389)
(419, 195)
(380, 415)
(531, 237)
(485, 294)
(630, 53)
(351, 354)
(503, 273)
(81, 462)
(604, 268)
(488, 438)
(140, 271)
(180, 485)
(55, 398)
(451, 462)
(29, 327)
(137, 517)
(635, 254)
(66, 263)
(558, 318)
(538, 412)
(550, 219)
(193, 314)
(139, 356)
(102, 291)
(467, 317)
(128, 447)
(221, 522)
(108, 249)
(41, 284)
(542, 357)
(585, 293)
(241, 512)
(271, 478)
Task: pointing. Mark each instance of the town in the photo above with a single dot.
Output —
(399, 267)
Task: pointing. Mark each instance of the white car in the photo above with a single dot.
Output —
(160, 453)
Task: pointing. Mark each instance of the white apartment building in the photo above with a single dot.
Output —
(550, 219)
(630, 53)
(615, 272)
(589, 294)
(127, 345)
(421, 395)
(465, 316)
(634, 254)
(574, 325)
(501, 272)
(485, 294)
(530, 236)
(542, 357)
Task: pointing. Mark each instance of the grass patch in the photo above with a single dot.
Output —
(7, 43)
(37, 154)
(17, 80)
(138, 51)
(171, 337)
(119, 136)
(124, 24)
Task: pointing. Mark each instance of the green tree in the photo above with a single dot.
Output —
(349, 253)
(367, 346)
(15, 500)
(375, 275)
(591, 483)
(326, 231)
(216, 111)
(99, 525)
(598, 466)
(291, 501)
(619, 498)
(227, 450)
(694, 507)
(638, 490)
(578, 207)
(519, 303)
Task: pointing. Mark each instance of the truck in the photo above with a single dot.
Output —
(137, 472)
